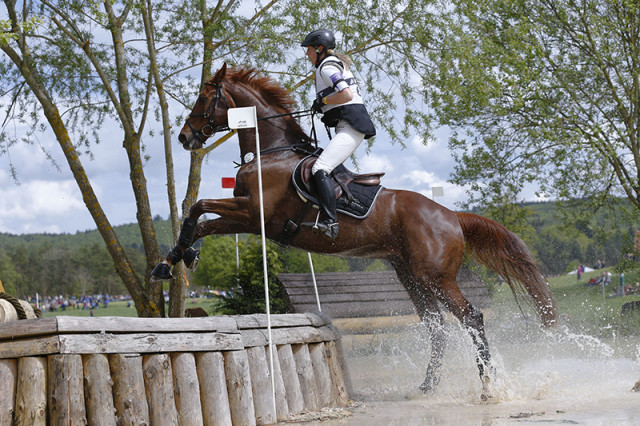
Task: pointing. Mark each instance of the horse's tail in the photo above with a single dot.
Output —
(505, 253)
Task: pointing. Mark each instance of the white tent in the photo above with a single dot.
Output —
(586, 269)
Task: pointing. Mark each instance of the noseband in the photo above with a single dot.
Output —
(209, 113)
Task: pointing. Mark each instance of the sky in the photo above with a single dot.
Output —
(46, 198)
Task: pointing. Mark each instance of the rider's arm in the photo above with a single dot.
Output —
(332, 75)
(338, 98)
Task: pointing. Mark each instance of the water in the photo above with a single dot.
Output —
(548, 377)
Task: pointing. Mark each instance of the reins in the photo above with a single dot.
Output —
(210, 129)
(294, 114)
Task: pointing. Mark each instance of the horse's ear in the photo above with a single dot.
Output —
(220, 74)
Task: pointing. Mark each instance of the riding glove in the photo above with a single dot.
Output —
(317, 105)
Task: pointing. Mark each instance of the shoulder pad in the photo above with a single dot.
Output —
(335, 61)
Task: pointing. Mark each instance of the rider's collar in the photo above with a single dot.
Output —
(319, 58)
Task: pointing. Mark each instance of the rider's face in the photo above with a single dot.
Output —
(312, 54)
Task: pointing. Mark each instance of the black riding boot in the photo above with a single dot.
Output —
(327, 222)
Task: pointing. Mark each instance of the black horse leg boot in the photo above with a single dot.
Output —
(327, 222)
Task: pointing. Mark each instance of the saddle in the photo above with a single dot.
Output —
(355, 193)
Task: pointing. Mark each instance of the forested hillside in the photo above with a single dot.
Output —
(79, 263)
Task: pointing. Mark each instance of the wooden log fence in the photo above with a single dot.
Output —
(186, 371)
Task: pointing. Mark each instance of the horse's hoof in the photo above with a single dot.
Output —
(161, 272)
(430, 383)
(191, 257)
(426, 388)
(415, 394)
(486, 394)
(486, 397)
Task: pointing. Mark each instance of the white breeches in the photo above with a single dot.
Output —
(343, 144)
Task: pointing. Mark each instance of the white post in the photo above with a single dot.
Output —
(315, 285)
(237, 254)
(241, 118)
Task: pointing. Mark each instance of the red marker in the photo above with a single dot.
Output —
(228, 182)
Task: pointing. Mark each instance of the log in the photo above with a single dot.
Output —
(28, 309)
(263, 395)
(7, 311)
(277, 320)
(65, 390)
(236, 367)
(158, 385)
(323, 376)
(9, 380)
(31, 392)
(282, 408)
(307, 378)
(186, 389)
(98, 388)
(295, 401)
(67, 324)
(213, 388)
(129, 395)
(28, 327)
(29, 347)
(337, 369)
(147, 342)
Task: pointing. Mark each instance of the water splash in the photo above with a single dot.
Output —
(528, 364)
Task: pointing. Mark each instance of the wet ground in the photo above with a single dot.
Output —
(540, 377)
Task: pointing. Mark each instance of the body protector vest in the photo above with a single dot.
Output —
(332, 76)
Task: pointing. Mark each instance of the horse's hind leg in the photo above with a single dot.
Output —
(429, 312)
(432, 318)
(472, 318)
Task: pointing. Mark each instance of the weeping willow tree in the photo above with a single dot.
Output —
(542, 93)
(69, 68)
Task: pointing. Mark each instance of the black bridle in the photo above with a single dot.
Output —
(210, 129)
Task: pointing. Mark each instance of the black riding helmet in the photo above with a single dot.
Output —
(320, 38)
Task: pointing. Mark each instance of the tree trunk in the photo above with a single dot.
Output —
(122, 264)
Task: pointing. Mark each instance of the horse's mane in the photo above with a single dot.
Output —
(272, 92)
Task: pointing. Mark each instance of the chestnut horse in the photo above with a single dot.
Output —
(422, 240)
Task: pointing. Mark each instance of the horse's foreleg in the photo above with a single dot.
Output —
(220, 226)
(236, 218)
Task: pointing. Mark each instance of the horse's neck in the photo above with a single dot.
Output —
(273, 133)
(268, 138)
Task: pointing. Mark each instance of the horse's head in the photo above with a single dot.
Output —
(208, 116)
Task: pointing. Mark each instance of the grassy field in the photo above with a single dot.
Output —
(583, 308)
(120, 309)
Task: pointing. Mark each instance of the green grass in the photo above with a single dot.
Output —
(583, 308)
(580, 308)
(120, 309)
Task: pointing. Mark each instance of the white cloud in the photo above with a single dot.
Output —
(375, 163)
(39, 206)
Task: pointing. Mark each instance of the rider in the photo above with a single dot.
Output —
(338, 98)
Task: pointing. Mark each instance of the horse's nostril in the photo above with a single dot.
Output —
(182, 138)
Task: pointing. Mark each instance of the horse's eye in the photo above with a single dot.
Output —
(202, 99)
